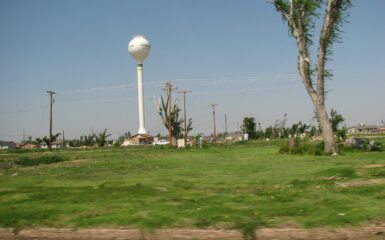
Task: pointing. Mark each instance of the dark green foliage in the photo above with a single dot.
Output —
(317, 148)
(162, 106)
(87, 140)
(249, 127)
(377, 147)
(336, 120)
(269, 132)
(27, 161)
(46, 139)
(298, 128)
(304, 148)
(363, 146)
(101, 137)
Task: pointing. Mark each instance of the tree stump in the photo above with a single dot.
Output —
(292, 144)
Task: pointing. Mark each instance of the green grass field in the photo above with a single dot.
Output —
(242, 187)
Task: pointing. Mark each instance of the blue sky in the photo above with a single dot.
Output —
(233, 53)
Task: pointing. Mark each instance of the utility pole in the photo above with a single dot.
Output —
(168, 90)
(226, 126)
(51, 93)
(64, 141)
(184, 108)
(215, 130)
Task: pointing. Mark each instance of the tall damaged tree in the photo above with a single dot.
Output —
(176, 122)
(300, 16)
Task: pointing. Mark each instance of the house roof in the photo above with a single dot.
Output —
(7, 143)
(140, 136)
(364, 127)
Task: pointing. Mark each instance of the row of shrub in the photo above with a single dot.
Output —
(28, 161)
(318, 148)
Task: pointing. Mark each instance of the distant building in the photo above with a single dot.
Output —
(139, 139)
(381, 129)
(56, 144)
(363, 129)
(7, 145)
(29, 146)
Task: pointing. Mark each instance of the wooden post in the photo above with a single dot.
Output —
(184, 108)
(51, 93)
(168, 89)
(215, 130)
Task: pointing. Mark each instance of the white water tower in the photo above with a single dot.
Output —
(139, 48)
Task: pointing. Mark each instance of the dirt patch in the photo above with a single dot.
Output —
(330, 178)
(374, 166)
(360, 182)
(373, 231)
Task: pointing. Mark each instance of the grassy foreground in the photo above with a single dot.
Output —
(242, 187)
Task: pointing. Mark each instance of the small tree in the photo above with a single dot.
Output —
(300, 16)
(269, 132)
(176, 122)
(54, 138)
(38, 141)
(188, 126)
(87, 140)
(101, 137)
(335, 120)
(249, 127)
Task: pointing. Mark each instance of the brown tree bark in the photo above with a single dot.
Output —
(327, 131)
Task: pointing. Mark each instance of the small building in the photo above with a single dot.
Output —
(29, 146)
(7, 145)
(139, 139)
(55, 144)
(363, 129)
(381, 129)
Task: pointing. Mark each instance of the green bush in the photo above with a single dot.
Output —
(365, 147)
(318, 148)
(304, 148)
(377, 147)
(27, 161)
(6, 164)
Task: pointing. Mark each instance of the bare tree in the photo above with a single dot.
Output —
(300, 16)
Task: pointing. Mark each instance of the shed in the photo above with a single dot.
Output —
(141, 139)
(7, 145)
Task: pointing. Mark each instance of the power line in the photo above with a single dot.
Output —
(25, 110)
(245, 90)
(193, 81)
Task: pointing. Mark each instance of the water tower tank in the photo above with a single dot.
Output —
(139, 48)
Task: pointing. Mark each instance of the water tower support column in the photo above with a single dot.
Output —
(142, 130)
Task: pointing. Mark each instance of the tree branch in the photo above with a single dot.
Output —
(325, 40)
(304, 62)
